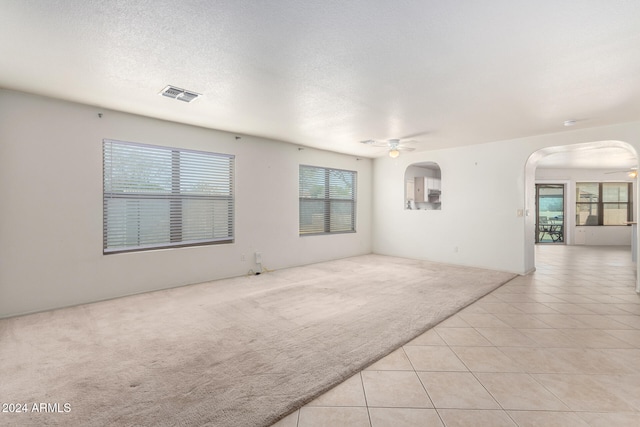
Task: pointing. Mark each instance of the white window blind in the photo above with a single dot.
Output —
(327, 200)
(158, 197)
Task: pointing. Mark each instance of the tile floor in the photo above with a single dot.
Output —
(559, 347)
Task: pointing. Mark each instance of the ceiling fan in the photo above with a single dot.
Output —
(631, 172)
(394, 145)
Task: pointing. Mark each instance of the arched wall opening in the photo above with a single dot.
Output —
(423, 185)
(582, 150)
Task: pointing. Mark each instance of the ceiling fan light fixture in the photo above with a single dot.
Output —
(393, 153)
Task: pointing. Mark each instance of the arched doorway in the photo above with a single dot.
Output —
(604, 156)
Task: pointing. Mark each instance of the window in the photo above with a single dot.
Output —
(159, 197)
(603, 203)
(327, 200)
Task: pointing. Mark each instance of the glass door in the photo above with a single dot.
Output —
(550, 213)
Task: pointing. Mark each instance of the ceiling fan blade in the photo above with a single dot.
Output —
(417, 134)
(374, 143)
(628, 170)
(401, 148)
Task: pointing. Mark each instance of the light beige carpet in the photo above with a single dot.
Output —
(235, 352)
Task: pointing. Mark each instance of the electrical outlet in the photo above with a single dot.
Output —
(242, 258)
(258, 258)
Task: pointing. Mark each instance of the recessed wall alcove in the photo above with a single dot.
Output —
(423, 186)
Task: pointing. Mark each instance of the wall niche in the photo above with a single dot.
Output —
(423, 186)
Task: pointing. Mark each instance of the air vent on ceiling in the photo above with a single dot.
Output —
(179, 94)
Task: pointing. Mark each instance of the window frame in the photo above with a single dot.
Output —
(176, 196)
(601, 203)
(328, 201)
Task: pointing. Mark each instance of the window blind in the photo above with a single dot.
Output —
(158, 197)
(327, 200)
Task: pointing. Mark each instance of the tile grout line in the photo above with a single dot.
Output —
(366, 401)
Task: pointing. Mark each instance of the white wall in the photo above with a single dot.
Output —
(51, 206)
(596, 236)
(484, 190)
(479, 205)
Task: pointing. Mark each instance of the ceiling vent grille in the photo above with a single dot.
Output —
(179, 94)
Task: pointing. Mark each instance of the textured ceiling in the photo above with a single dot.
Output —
(329, 74)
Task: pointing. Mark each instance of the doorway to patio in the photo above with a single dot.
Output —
(550, 213)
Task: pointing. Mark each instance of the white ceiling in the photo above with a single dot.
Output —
(329, 73)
